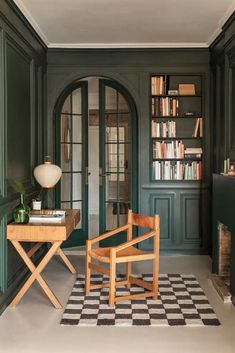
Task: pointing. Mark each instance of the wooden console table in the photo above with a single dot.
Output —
(40, 233)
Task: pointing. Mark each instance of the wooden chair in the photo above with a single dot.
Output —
(125, 253)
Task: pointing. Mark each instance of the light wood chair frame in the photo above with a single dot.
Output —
(152, 288)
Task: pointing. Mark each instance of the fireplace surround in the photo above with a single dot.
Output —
(223, 230)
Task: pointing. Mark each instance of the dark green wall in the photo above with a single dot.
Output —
(223, 95)
(22, 72)
(223, 111)
(183, 206)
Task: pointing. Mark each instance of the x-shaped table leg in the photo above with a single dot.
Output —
(36, 273)
(66, 260)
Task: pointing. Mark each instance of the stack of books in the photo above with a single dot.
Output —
(47, 216)
(193, 152)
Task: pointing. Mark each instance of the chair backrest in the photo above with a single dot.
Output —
(143, 221)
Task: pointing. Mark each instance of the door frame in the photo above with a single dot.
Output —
(111, 82)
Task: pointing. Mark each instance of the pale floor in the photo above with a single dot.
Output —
(33, 326)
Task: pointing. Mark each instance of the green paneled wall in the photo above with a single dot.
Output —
(22, 71)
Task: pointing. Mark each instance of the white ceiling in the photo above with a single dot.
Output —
(127, 23)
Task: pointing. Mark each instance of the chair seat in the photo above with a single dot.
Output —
(103, 254)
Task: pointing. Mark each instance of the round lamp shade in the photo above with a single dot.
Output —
(47, 174)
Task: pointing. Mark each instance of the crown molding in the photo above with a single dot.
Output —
(32, 21)
(49, 44)
(221, 23)
(227, 14)
(125, 45)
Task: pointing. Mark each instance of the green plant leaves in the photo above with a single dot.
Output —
(17, 186)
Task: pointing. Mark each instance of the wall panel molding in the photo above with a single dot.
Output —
(2, 116)
(3, 255)
(163, 203)
(190, 213)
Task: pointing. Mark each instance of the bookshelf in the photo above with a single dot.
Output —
(176, 127)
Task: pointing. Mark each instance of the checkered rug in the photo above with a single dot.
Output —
(181, 302)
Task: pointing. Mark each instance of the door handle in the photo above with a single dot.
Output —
(102, 175)
(87, 175)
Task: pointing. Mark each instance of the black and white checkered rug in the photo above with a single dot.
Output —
(181, 302)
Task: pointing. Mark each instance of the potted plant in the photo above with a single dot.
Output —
(22, 211)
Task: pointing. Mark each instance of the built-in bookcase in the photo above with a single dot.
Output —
(177, 121)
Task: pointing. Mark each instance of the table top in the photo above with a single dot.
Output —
(44, 231)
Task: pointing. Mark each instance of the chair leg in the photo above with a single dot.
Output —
(155, 278)
(88, 270)
(112, 277)
(128, 274)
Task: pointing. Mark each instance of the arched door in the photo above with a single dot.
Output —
(116, 142)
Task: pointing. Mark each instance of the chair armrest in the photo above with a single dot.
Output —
(135, 241)
(108, 234)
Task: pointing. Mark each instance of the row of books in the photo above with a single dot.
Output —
(168, 149)
(158, 84)
(167, 106)
(177, 170)
(164, 129)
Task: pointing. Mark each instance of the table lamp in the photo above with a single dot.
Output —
(47, 174)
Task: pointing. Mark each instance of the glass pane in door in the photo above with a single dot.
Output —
(71, 193)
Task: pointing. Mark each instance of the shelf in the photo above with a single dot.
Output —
(178, 159)
(178, 180)
(176, 138)
(175, 106)
(167, 117)
(177, 96)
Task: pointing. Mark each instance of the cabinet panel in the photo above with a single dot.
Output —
(190, 217)
(163, 203)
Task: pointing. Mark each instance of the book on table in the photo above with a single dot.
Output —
(47, 216)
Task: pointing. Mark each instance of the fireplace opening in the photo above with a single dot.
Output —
(221, 280)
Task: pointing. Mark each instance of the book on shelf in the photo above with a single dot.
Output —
(167, 170)
(201, 127)
(167, 106)
(47, 216)
(187, 89)
(198, 128)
